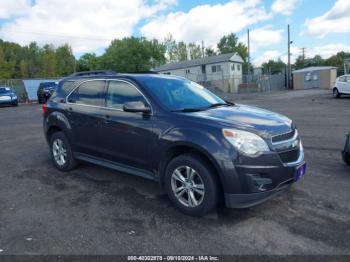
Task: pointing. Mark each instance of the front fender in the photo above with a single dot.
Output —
(210, 143)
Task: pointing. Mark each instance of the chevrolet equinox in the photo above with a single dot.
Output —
(201, 149)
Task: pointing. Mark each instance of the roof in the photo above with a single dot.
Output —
(130, 76)
(314, 68)
(201, 61)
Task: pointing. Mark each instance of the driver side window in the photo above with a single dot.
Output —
(120, 92)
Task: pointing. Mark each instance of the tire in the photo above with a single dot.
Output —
(61, 152)
(336, 93)
(202, 200)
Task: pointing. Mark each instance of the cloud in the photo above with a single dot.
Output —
(262, 37)
(336, 20)
(285, 7)
(206, 22)
(266, 56)
(328, 50)
(12, 8)
(84, 24)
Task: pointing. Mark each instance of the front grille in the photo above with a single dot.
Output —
(282, 137)
(290, 156)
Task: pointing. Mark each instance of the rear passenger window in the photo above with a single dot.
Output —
(67, 87)
(89, 93)
(120, 93)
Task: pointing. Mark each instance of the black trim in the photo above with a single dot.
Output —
(249, 200)
(116, 166)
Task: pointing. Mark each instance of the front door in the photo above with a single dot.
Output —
(126, 137)
(346, 85)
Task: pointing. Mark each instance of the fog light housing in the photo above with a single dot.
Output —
(258, 183)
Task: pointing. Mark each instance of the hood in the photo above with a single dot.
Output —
(253, 119)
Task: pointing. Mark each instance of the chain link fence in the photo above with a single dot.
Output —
(26, 89)
(240, 83)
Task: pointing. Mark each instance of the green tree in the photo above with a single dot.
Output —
(273, 66)
(5, 72)
(209, 52)
(181, 51)
(194, 50)
(133, 54)
(48, 63)
(87, 62)
(228, 44)
(65, 60)
(170, 48)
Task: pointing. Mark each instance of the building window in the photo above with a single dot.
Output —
(187, 71)
(213, 69)
(238, 67)
(233, 67)
(218, 68)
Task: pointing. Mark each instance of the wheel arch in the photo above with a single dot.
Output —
(187, 148)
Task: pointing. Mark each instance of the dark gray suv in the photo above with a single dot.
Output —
(200, 148)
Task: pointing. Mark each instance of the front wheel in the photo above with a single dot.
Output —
(336, 93)
(61, 152)
(192, 185)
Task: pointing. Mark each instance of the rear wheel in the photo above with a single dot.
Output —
(336, 93)
(61, 152)
(191, 185)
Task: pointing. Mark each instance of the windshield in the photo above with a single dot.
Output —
(4, 90)
(181, 94)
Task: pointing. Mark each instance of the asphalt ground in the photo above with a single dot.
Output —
(94, 210)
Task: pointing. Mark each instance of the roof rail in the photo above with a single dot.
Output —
(95, 72)
(143, 72)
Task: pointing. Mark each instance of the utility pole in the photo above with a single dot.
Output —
(289, 69)
(303, 54)
(248, 67)
(202, 48)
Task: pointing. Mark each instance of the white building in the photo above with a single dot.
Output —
(220, 71)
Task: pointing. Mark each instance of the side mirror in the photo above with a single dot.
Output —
(136, 107)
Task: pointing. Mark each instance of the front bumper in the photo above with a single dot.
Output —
(253, 199)
(8, 102)
(262, 179)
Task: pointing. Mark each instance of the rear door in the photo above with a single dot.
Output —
(126, 137)
(85, 113)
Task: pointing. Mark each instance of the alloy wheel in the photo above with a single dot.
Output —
(59, 152)
(187, 186)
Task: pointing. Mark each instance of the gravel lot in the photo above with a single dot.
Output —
(94, 210)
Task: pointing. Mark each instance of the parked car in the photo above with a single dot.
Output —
(8, 96)
(200, 148)
(342, 86)
(346, 152)
(45, 90)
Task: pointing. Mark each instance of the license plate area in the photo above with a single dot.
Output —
(300, 172)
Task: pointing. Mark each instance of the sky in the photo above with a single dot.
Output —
(320, 26)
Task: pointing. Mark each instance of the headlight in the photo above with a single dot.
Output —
(14, 97)
(246, 142)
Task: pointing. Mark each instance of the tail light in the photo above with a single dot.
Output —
(44, 110)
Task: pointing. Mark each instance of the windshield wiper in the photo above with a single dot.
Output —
(220, 104)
